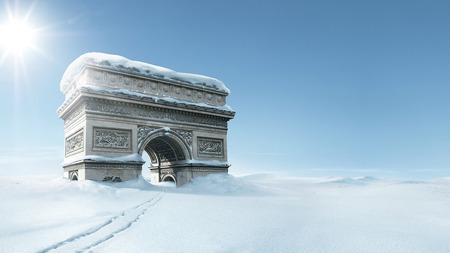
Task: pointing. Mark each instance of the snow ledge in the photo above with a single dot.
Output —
(122, 64)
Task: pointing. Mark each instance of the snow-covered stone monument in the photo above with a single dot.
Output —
(115, 109)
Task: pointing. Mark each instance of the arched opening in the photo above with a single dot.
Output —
(166, 153)
(169, 179)
(164, 150)
(73, 175)
(146, 166)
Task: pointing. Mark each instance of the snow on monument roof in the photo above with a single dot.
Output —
(122, 64)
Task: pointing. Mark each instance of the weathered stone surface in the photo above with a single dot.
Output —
(110, 116)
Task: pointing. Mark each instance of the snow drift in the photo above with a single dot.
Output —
(222, 213)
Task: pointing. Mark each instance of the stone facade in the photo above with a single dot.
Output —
(111, 118)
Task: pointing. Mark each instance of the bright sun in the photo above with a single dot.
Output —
(16, 36)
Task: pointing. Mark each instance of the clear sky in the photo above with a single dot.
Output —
(320, 87)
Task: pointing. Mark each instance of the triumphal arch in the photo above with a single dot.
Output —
(116, 109)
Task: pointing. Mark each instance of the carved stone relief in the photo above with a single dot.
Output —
(210, 146)
(154, 87)
(143, 131)
(106, 138)
(153, 113)
(75, 143)
(187, 136)
(74, 114)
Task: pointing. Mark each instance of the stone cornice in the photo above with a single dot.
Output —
(89, 103)
(126, 109)
(100, 77)
(155, 102)
(130, 99)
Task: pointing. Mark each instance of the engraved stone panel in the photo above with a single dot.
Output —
(75, 143)
(117, 139)
(210, 147)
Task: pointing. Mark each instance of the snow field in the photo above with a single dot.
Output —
(219, 213)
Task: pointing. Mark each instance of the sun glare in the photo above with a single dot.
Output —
(19, 37)
(16, 36)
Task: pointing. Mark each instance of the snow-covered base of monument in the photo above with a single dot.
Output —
(118, 169)
(223, 213)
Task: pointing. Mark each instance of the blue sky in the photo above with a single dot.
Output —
(321, 87)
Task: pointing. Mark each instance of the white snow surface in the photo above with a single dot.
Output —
(224, 213)
(124, 159)
(209, 162)
(98, 158)
(122, 64)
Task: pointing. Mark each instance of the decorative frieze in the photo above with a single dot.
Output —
(210, 147)
(147, 112)
(112, 139)
(176, 90)
(74, 115)
(75, 143)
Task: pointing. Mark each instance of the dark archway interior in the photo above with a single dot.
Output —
(164, 151)
(169, 179)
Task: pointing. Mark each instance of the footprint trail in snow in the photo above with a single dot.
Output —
(99, 234)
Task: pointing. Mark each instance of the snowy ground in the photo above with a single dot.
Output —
(254, 213)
